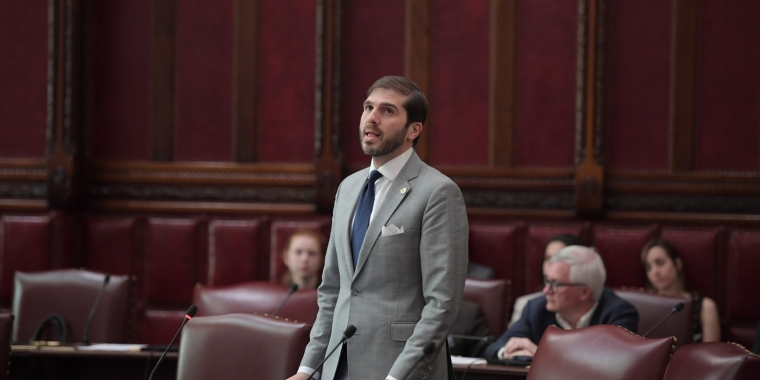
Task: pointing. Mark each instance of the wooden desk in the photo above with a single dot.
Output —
(68, 363)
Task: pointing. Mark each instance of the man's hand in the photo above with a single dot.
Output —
(519, 347)
(298, 376)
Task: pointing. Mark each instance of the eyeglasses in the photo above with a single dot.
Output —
(554, 285)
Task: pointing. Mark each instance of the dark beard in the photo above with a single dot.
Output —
(388, 145)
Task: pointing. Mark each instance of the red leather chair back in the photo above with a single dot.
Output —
(256, 298)
(71, 293)
(713, 360)
(6, 327)
(653, 307)
(604, 352)
(241, 346)
(493, 297)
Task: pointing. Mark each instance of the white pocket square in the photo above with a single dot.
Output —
(392, 230)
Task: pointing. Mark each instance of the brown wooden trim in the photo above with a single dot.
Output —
(503, 89)
(683, 218)
(23, 205)
(245, 81)
(162, 105)
(683, 183)
(589, 177)
(201, 207)
(209, 173)
(683, 91)
(521, 213)
(23, 169)
(418, 57)
(329, 163)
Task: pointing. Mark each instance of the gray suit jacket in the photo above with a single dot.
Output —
(406, 288)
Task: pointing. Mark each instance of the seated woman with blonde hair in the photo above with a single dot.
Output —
(304, 256)
(664, 270)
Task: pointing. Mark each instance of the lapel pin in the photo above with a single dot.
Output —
(403, 190)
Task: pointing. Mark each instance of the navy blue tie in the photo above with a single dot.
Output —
(363, 211)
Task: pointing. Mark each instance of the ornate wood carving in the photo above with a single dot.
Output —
(551, 200)
(202, 193)
(684, 203)
(329, 157)
(503, 89)
(163, 16)
(64, 163)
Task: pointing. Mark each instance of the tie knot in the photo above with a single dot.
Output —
(374, 176)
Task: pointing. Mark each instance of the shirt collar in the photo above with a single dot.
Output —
(392, 168)
(585, 320)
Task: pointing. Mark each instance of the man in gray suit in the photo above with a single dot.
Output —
(402, 283)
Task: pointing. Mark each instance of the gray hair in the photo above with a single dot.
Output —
(586, 267)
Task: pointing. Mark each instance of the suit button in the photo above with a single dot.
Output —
(354, 292)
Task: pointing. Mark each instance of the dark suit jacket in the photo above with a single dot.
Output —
(472, 322)
(612, 310)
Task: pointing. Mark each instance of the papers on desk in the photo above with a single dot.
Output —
(111, 347)
(462, 360)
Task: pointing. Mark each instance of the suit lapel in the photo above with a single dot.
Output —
(389, 205)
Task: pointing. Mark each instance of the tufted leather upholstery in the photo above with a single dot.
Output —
(493, 297)
(605, 352)
(256, 298)
(71, 293)
(713, 360)
(6, 327)
(241, 346)
(653, 307)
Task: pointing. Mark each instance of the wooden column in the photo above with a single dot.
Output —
(245, 81)
(163, 14)
(418, 55)
(328, 152)
(66, 182)
(503, 89)
(589, 174)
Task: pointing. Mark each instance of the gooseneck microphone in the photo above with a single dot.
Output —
(350, 330)
(293, 289)
(190, 314)
(86, 335)
(678, 307)
(426, 351)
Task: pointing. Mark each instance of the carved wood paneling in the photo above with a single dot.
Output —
(162, 121)
(503, 90)
(418, 57)
(274, 194)
(239, 208)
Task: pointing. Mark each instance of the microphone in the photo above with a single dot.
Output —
(86, 335)
(350, 330)
(190, 314)
(678, 307)
(427, 350)
(487, 339)
(293, 289)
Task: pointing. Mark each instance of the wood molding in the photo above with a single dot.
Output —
(683, 218)
(162, 102)
(683, 91)
(245, 81)
(418, 57)
(503, 84)
(683, 183)
(22, 205)
(521, 213)
(23, 169)
(139, 206)
(202, 173)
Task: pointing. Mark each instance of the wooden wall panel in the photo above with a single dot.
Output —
(546, 56)
(637, 84)
(728, 124)
(23, 78)
(204, 49)
(369, 52)
(119, 80)
(287, 78)
(460, 84)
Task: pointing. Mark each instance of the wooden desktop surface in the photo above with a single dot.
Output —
(68, 363)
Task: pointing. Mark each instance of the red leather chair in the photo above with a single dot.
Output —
(6, 327)
(713, 360)
(71, 294)
(493, 297)
(241, 346)
(653, 307)
(605, 352)
(256, 298)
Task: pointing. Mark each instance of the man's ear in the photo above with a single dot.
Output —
(413, 131)
(586, 293)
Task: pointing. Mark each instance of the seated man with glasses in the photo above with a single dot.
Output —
(574, 297)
